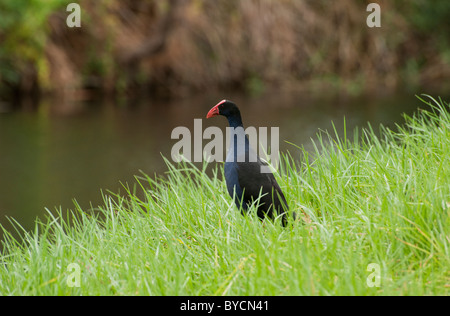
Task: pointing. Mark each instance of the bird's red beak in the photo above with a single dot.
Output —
(215, 110)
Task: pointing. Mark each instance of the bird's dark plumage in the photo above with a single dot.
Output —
(244, 179)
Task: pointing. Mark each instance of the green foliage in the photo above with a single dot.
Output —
(382, 200)
(429, 15)
(430, 19)
(23, 32)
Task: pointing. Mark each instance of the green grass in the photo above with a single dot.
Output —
(382, 200)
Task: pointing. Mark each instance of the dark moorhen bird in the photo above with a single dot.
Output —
(244, 179)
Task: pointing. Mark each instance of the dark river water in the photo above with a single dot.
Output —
(51, 155)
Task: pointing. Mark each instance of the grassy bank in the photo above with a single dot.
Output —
(375, 200)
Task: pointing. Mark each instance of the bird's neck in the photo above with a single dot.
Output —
(235, 121)
(239, 149)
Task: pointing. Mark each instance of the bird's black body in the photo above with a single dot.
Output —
(244, 179)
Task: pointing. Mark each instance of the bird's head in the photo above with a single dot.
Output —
(225, 108)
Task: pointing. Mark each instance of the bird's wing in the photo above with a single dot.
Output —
(254, 183)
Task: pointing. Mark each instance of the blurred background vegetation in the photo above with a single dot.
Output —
(178, 47)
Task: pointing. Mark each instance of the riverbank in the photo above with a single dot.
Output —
(178, 47)
(375, 221)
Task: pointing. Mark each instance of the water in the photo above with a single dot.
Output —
(51, 155)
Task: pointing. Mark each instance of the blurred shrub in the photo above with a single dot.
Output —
(427, 16)
(23, 35)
